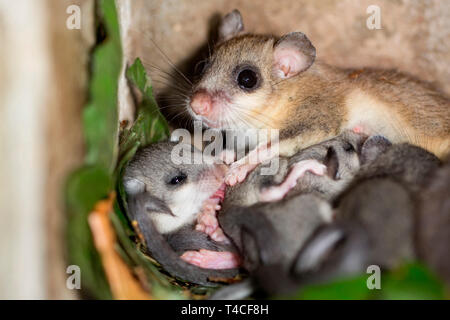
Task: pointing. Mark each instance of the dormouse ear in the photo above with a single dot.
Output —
(293, 53)
(143, 205)
(316, 250)
(334, 251)
(231, 25)
(373, 147)
(133, 186)
(156, 205)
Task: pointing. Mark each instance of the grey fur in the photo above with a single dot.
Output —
(377, 217)
(433, 236)
(160, 249)
(150, 195)
(375, 220)
(342, 166)
(270, 235)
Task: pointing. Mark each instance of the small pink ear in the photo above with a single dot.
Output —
(292, 54)
(288, 62)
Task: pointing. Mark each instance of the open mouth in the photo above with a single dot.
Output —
(220, 193)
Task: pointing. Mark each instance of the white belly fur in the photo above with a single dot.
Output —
(374, 117)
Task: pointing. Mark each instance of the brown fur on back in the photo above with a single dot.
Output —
(319, 103)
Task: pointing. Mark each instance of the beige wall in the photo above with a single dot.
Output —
(42, 91)
(415, 34)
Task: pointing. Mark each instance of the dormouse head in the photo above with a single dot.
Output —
(242, 74)
(175, 191)
(348, 151)
(343, 154)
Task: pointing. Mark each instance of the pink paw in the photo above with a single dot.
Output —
(237, 173)
(207, 218)
(273, 194)
(276, 193)
(212, 259)
(313, 166)
(219, 236)
(207, 223)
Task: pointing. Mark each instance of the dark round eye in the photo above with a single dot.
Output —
(247, 79)
(178, 179)
(349, 147)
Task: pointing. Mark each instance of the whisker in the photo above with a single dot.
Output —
(237, 116)
(167, 106)
(282, 80)
(173, 86)
(168, 76)
(170, 62)
(260, 117)
(171, 99)
(249, 115)
(171, 77)
(209, 51)
(183, 112)
(268, 118)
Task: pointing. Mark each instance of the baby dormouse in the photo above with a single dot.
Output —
(269, 220)
(168, 249)
(177, 190)
(265, 82)
(305, 239)
(166, 198)
(380, 219)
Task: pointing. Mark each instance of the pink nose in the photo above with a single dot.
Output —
(201, 103)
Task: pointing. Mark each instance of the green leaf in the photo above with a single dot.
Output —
(409, 281)
(107, 153)
(84, 188)
(149, 127)
(138, 76)
(354, 288)
(93, 182)
(100, 117)
(413, 282)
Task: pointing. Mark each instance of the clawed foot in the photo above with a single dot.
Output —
(276, 193)
(211, 259)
